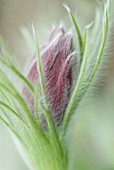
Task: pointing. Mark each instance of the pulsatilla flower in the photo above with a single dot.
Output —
(56, 56)
(58, 96)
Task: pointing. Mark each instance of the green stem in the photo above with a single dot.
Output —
(98, 60)
(36, 104)
(76, 89)
(12, 130)
(53, 136)
(13, 112)
(18, 74)
(82, 70)
(77, 31)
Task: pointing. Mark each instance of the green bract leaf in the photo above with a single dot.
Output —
(87, 72)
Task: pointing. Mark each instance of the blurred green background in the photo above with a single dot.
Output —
(91, 141)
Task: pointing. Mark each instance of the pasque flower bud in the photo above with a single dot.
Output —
(56, 55)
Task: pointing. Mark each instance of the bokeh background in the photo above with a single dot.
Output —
(91, 141)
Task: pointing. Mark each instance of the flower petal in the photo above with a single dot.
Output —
(56, 55)
(63, 90)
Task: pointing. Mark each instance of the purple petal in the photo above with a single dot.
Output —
(56, 55)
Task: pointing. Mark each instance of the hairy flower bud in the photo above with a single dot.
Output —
(56, 55)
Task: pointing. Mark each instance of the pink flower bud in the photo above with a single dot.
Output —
(56, 55)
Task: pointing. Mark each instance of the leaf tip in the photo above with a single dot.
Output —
(66, 7)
